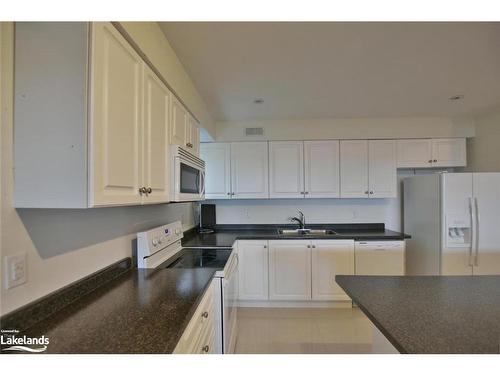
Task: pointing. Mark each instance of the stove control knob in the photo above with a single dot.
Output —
(154, 241)
(178, 231)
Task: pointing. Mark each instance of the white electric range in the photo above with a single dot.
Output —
(161, 248)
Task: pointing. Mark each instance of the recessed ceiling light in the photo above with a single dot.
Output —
(456, 97)
(258, 101)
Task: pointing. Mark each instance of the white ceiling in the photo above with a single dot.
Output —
(332, 70)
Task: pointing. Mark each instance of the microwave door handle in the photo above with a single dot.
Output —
(202, 179)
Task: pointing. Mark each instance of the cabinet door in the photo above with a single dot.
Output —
(321, 169)
(156, 164)
(249, 170)
(179, 126)
(290, 270)
(193, 136)
(354, 169)
(217, 157)
(449, 152)
(382, 169)
(253, 270)
(116, 126)
(286, 169)
(414, 153)
(331, 258)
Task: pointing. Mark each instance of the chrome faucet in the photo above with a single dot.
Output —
(301, 220)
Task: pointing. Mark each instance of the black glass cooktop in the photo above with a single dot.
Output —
(199, 258)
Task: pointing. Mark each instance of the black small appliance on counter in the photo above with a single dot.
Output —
(207, 218)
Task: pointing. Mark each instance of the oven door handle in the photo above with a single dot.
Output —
(232, 268)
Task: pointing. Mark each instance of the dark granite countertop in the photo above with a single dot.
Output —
(431, 314)
(225, 235)
(141, 311)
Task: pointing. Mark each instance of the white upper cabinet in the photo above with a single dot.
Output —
(116, 122)
(253, 270)
(156, 144)
(290, 270)
(217, 157)
(184, 131)
(331, 258)
(286, 169)
(321, 169)
(192, 135)
(382, 177)
(425, 153)
(179, 126)
(249, 170)
(113, 117)
(354, 169)
(449, 152)
(368, 169)
(414, 153)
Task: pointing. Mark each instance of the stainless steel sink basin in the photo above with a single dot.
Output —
(305, 232)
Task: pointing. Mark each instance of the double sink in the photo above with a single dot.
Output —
(305, 232)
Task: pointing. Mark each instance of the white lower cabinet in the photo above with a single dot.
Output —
(305, 270)
(199, 335)
(290, 270)
(253, 270)
(330, 258)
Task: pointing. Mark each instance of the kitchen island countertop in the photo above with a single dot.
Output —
(431, 314)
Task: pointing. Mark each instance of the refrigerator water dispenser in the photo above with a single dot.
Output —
(458, 232)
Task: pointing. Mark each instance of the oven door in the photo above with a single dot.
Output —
(189, 181)
(229, 302)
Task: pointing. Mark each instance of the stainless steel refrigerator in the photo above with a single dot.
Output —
(454, 223)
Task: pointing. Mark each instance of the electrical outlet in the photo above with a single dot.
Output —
(15, 270)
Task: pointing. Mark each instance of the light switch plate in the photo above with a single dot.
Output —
(15, 270)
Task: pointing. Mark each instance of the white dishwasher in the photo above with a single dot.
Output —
(381, 258)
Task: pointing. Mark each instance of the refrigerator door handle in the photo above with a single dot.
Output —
(476, 258)
(472, 224)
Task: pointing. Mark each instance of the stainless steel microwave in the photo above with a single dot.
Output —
(188, 176)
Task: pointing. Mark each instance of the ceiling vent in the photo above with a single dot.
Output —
(254, 131)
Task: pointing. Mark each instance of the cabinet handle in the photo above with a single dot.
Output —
(206, 348)
(143, 190)
(265, 246)
(228, 193)
(366, 192)
(308, 246)
(430, 161)
(314, 246)
(205, 315)
(435, 160)
(232, 193)
(371, 191)
(149, 190)
(306, 192)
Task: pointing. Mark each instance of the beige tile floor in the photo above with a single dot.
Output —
(301, 330)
